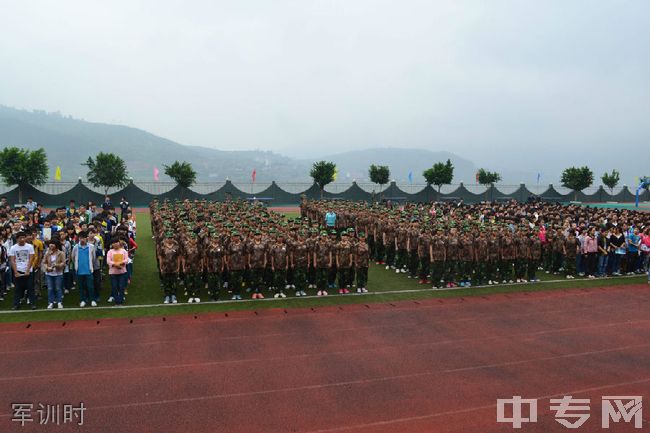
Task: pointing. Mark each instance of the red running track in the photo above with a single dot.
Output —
(425, 366)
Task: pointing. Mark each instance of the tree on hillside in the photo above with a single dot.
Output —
(610, 180)
(577, 179)
(182, 173)
(380, 175)
(323, 174)
(442, 173)
(23, 167)
(106, 171)
(488, 178)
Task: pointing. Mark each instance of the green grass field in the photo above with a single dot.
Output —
(145, 294)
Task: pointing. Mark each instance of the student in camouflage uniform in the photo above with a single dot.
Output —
(169, 260)
(361, 260)
(236, 259)
(344, 262)
(401, 245)
(453, 256)
(482, 257)
(300, 261)
(570, 251)
(214, 265)
(520, 241)
(193, 268)
(257, 262)
(508, 256)
(438, 254)
(535, 255)
(279, 265)
(323, 262)
(494, 256)
(423, 246)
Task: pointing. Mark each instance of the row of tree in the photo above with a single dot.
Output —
(442, 173)
(24, 167)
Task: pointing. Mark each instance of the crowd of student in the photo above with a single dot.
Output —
(453, 244)
(209, 247)
(51, 253)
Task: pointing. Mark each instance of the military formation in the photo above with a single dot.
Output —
(454, 244)
(236, 248)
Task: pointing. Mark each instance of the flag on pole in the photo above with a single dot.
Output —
(477, 177)
(539, 176)
(254, 175)
(336, 173)
(156, 174)
(57, 173)
(410, 177)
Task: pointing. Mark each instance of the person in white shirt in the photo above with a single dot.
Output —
(20, 256)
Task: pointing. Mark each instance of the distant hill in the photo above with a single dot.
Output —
(69, 142)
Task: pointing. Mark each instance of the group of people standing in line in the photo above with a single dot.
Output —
(63, 250)
(454, 244)
(216, 247)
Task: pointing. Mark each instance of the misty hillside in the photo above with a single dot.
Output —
(69, 142)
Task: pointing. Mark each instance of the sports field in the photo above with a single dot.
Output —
(434, 365)
(145, 295)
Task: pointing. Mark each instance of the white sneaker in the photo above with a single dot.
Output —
(324, 293)
(111, 299)
(166, 301)
(277, 295)
(364, 290)
(319, 293)
(234, 297)
(174, 300)
(387, 267)
(397, 271)
(59, 305)
(50, 306)
(197, 300)
(359, 290)
(93, 303)
(282, 295)
(82, 304)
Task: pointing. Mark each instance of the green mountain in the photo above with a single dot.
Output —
(69, 142)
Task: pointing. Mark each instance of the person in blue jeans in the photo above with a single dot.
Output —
(53, 265)
(117, 258)
(83, 257)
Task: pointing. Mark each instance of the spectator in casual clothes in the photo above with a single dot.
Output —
(117, 259)
(53, 265)
(21, 256)
(83, 258)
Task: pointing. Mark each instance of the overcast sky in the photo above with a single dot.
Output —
(484, 79)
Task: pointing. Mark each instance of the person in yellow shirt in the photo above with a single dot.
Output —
(39, 247)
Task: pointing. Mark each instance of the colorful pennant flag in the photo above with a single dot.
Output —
(254, 175)
(410, 177)
(156, 174)
(57, 173)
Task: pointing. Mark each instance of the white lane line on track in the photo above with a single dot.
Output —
(362, 381)
(335, 295)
